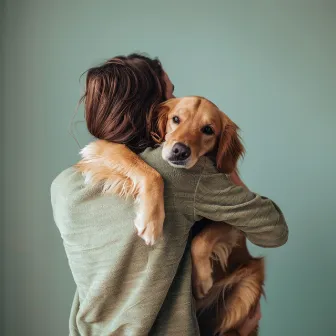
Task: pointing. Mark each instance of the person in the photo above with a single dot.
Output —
(125, 287)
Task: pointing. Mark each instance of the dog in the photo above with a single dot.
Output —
(227, 281)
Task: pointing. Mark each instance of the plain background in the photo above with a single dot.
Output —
(270, 65)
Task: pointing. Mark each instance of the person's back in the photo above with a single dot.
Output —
(121, 282)
(125, 287)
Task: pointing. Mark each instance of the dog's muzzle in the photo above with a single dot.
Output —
(179, 154)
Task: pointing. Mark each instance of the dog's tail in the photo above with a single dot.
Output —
(238, 293)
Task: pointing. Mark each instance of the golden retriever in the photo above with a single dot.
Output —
(227, 280)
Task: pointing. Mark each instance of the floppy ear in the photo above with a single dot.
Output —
(159, 131)
(230, 148)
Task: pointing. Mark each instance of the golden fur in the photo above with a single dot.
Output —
(122, 172)
(227, 280)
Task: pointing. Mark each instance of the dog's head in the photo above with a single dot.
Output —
(191, 127)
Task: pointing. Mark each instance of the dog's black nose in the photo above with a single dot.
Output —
(180, 152)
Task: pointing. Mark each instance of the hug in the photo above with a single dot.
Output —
(155, 218)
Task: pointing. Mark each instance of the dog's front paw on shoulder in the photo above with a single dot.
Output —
(150, 231)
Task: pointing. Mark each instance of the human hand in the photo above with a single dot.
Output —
(251, 322)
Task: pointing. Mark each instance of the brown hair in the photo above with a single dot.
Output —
(120, 98)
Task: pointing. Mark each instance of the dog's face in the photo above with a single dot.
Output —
(193, 127)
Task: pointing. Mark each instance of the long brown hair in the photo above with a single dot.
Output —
(120, 99)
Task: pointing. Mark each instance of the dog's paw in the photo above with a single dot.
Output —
(203, 286)
(150, 232)
(149, 229)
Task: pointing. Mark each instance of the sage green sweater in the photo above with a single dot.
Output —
(127, 288)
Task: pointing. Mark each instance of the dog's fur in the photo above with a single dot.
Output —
(227, 280)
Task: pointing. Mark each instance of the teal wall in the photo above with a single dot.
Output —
(270, 65)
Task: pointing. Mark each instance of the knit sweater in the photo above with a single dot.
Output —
(125, 287)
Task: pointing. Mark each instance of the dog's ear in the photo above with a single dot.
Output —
(230, 148)
(162, 111)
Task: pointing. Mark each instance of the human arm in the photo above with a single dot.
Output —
(218, 199)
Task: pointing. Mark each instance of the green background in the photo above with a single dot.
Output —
(270, 65)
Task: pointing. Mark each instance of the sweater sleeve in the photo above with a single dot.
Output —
(218, 199)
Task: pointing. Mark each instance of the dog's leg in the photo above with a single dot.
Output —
(246, 286)
(122, 172)
(216, 240)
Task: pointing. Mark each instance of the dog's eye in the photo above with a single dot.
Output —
(176, 120)
(207, 130)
